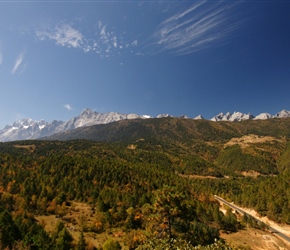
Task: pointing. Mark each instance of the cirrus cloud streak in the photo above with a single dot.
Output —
(196, 27)
(18, 63)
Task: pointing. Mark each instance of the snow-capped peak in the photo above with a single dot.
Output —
(163, 115)
(263, 116)
(146, 116)
(87, 113)
(24, 129)
(218, 117)
(283, 114)
(26, 122)
(89, 117)
(236, 116)
(199, 117)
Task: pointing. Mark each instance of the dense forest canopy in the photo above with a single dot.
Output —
(144, 181)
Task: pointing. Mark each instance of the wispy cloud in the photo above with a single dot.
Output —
(134, 43)
(195, 28)
(109, 43)
(68, 107)
(18, 63)
(103, 41)
(63, 35)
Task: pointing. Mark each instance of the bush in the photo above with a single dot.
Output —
(111, 244)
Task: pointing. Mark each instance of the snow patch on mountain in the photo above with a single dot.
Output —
(163, 115)
(29, 129)
(220, 117)
(89, 117)
(282, 114)
(199, 117)
(233, 117)
(263, 116)
(146, 117)
(26, 129)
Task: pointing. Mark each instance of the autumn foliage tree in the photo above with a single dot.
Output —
(167, 210)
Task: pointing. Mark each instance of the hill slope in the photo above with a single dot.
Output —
(204, 145)
(128, 176)
(176, 129)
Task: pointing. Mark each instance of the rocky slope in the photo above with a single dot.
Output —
(30, 129)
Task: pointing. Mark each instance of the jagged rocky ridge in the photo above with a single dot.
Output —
(30, 129)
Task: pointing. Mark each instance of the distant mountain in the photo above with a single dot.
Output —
(163, 115)
(30, 129)
(236, 116)
(199, 117)
(263, 116)
(89, 118)
(173, 129)
(283, 114)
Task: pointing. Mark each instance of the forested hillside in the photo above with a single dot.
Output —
(126, 187)
(144, 182)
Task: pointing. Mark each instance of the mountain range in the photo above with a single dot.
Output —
(30, 129)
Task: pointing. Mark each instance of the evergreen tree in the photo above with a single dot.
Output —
(9, 232)
(62, 238)
(82, 245)
(230, 222)
(167, 209)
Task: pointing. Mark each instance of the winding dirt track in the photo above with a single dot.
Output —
(272, 228)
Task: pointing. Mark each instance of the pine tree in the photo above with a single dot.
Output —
(82, 245)
(62, 238)
(166, 209)
(9, 232)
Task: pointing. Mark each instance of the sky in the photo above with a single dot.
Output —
(58, 58)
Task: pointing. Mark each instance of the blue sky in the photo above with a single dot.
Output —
(146, 57)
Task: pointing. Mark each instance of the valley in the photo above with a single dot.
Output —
(123, 121)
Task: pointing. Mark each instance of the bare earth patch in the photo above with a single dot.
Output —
(193, 176)
(31, 148)
(132, 146)
(246, 140)
(254, 239)
(279, 227)
(250, 173)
